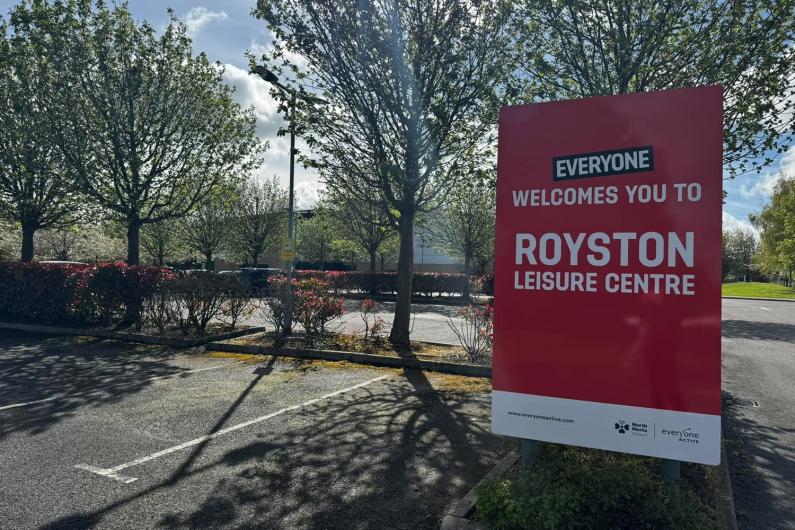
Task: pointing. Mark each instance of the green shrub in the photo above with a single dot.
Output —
(313, 303)
(571, 488)
(315, 307)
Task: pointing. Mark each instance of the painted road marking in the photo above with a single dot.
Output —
(113, 472)
(15, 405)
(178, 374)
(106, 473)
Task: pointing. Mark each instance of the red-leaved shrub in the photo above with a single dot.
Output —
(424, 283)
(75, 294)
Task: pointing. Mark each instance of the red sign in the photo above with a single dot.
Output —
(608, 272)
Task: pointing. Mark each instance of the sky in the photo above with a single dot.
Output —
(225, 30)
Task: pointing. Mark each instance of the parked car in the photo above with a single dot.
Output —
(256, 279)
(60, 262)
(197, 271)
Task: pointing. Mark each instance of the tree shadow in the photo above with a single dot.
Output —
(757, 460)
(66, 373)
(388, 458)
(753, 330)
(392, 455)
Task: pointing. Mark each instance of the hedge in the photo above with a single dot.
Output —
(76, 294)
(425, 283)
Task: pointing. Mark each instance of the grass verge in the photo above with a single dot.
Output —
(758, 290)
(446, 383)
(352, 343)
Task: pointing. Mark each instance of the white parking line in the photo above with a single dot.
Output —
(15, 405)
(113, 472)
(177, 374)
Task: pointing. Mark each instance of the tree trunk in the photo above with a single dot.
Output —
(133, 313)
(467, 259)
(382, 263)
(373, 261)
(28, 231)
(208, 261)
(255, 259)
(401, 324)
(133, 242)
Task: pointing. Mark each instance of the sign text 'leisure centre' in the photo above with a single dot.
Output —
(608, 273)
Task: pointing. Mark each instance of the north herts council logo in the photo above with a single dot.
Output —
(622, 426)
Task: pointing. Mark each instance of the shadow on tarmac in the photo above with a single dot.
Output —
(391, 456)
(74, 372)
(747, 442)
(753, 330)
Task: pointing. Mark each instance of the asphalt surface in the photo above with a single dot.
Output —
(219, 443)
(430, 322)
(759, 410)
(314, 445)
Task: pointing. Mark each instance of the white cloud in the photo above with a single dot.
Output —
(263, 48)
(766, 183)
(731, 222)
(251, 91)
(199, 16)
(307, 193)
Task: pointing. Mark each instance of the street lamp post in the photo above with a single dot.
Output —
(273, 79)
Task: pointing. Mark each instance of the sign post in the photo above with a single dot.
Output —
(607, 274)
(287, 250)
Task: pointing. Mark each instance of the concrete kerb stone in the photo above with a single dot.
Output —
(129, 337)
(456, 517)
(760, 299)
(470, 370)
(724, 503)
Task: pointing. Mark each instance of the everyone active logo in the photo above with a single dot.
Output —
(686, 436)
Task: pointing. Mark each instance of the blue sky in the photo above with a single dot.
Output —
(225, 29)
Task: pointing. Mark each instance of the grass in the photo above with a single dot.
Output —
(352, 343)
(447, 383)
(758, 290)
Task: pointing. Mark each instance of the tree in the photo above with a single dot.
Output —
(59, 244)
(776, 223)
(83, 242)
(36, 189)
(740, 250)
(465, 227)
(408, 85)
(9, 241)
(363, 223)
(259, 217)
(726, 262)
(161, 240)
(600, 47)
(317, 237)
(388, 252)
(150, 129)
(206, 230)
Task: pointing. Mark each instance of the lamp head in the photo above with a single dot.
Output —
(266, 74)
